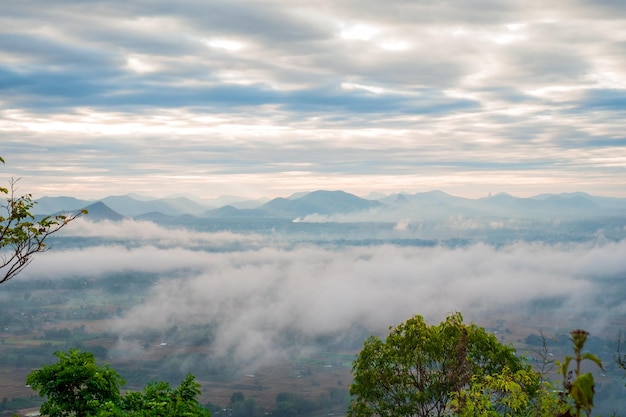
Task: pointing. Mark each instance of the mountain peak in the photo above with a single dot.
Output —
(322, 202)
(99, 211)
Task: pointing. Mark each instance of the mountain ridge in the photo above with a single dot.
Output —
(330, 204)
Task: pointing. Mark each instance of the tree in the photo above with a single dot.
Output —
(506, 395)
(21, 234)
(418, 369)
(75, 386)
(158, 399)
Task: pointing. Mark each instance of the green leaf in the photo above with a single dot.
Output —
(583, 390)
(565, 365)
(594, 359)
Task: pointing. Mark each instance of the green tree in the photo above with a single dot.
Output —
(418, 369)
(506, 395)
(21, 234)
(159, 399)
(75, 385)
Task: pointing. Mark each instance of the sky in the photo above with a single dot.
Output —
(267, 98)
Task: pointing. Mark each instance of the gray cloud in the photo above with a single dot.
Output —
(268, 298)
(145, 90)
(257, 297)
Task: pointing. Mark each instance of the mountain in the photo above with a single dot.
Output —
(319, 202)
(431, 205)
(231, 200)
(182, 205)
(130, 206)
(424, 206)
(230, 212)
(48, 205)
(547, 205)
(99, 211)
(604, 202)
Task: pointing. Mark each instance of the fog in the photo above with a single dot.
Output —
(270, 298)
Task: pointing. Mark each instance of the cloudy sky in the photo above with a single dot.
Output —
(265, 98)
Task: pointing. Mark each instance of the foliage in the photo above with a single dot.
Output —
(158, 399)
(579, 386)
(76, 386)
(506, 395)
(21, 234)
(419, 369)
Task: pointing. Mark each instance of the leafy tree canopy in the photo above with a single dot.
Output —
(422, 370)
(77, 386)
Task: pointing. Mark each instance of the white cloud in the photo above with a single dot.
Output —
(466, 83)
(258, 297)
(139, 65)
(261, 291)
(359, 31)
(228, 44)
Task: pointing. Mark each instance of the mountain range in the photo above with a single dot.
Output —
(344, 207)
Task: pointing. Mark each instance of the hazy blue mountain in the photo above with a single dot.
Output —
(183, 205)
(603, 202)
(132, 207)
(229, 212)
(156, 217)
(428, 206)
(99, 211)
(547, 206)
(231, 200)
(297, 195)
(437, 196)
(249, 204)
(432, 205)
(49, 205)
(401, 199)
(319, 202)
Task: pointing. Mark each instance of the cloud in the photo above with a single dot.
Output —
(129, 245)
(271, 297)
(145, 232)
(256, 299)
(436, 95)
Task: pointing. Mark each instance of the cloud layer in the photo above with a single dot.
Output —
(273, 300)
(267, 98)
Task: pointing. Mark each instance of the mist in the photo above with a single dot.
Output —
(270, 299)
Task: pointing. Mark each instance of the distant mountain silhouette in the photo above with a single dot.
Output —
(431, 205)
(319, 202)
(99, 211)
(155, 216)
(48, 205)
(229, 212)
(547, 205)
(401, 199)
(130, 206)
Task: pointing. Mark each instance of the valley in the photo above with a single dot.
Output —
(277, 307)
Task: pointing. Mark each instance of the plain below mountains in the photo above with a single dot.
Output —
(340, 206)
